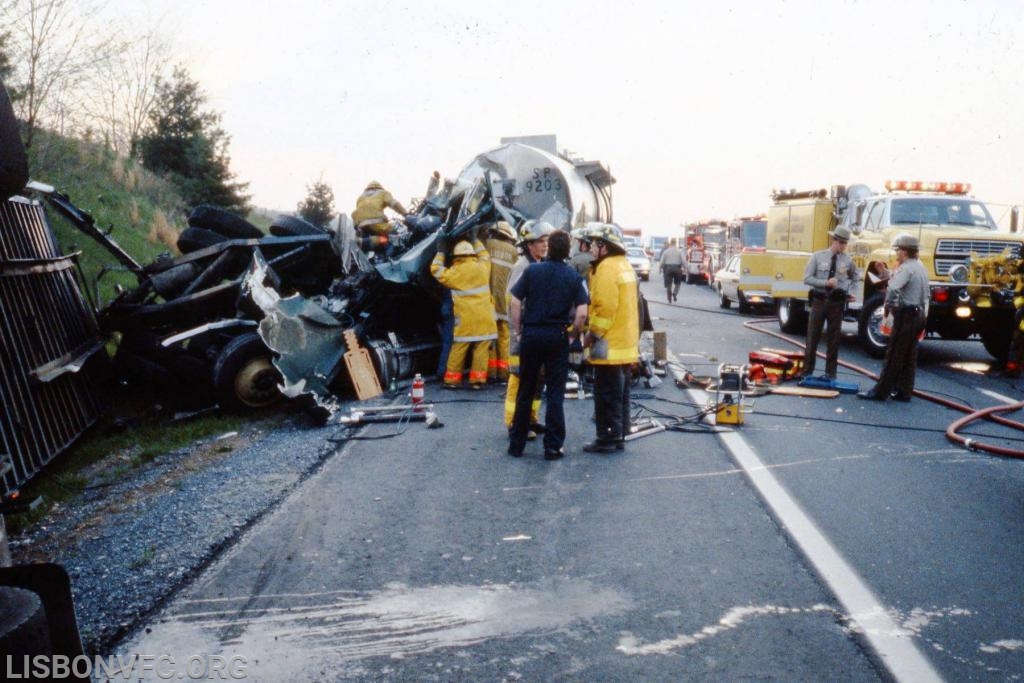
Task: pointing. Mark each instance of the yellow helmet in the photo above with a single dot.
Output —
(463, 248)
(504, 230)
(374, 185)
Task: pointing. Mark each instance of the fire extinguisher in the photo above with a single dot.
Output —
(417, 392)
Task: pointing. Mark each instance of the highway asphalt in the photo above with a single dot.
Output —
(823, 539)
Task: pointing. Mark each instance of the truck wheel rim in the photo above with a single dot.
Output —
(256, 383)
(874, 328)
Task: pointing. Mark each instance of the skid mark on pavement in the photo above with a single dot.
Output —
(396, 622)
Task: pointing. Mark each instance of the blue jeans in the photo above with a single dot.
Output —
(547, 348)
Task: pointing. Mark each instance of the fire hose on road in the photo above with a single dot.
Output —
(951, 431)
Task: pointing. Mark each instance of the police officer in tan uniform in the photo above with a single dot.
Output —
(907, 300)
(829, 273)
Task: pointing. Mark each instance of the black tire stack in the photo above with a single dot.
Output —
(210, 225)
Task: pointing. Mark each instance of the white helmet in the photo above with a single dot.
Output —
(533, 230)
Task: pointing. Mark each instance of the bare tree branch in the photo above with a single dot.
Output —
(122, 89)
(55, 47)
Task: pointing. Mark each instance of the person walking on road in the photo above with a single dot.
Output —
(671, 266)
(548, 309)
(468, 278)
(613, 338)
(830, 274)
(907, 300)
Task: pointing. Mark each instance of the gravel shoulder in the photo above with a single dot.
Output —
(130, 545)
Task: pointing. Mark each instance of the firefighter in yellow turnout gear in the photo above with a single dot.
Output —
(468, 278)
(369, 215)
(533, 241)
(613, 338)
(501, 245)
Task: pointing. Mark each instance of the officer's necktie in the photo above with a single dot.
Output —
(832, 267)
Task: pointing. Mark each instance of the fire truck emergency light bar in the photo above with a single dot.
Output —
(780, 195)
(918, 186)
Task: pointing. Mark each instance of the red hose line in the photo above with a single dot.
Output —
(973, 415)
(971, 444)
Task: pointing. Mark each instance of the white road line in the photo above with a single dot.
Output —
(999, 397)
(893, 645)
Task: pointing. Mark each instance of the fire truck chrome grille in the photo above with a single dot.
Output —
(949, 252)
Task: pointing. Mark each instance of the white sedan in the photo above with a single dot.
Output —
(640, 261)
(727, 285)
(727, 282)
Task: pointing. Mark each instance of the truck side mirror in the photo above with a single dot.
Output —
(858, 220)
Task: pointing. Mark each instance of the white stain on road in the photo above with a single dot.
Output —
(734, 618)
(398, 621)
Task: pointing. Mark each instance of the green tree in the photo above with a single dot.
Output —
(6, 68)
(187, 144)
(318, 206)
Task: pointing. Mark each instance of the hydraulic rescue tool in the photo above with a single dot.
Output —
(729, 394)
(421, 412)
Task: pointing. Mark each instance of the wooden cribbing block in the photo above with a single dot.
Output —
(360, 368)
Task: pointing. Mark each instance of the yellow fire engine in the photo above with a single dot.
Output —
(953, 228)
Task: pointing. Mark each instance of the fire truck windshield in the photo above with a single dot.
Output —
(951, 211)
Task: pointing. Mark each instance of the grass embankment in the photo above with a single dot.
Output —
(144, 214)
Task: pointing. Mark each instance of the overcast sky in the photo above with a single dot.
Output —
(698, 108)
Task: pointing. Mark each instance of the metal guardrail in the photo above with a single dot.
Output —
(53, 371)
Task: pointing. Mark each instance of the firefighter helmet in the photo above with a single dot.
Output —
(582, 234)
(463, 248)
(610, 235)
(905, 240)
(503, 229)
(533, 230)
(374, 185)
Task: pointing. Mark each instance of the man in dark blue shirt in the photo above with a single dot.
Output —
(548, 308)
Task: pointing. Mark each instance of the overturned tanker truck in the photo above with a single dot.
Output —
(242, 318)
(393, 305)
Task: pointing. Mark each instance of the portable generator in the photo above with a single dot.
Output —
(729, 393)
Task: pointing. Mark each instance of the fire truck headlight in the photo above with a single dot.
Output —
(958, 273)
(963, 311)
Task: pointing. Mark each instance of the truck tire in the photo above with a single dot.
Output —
(869, 326)
(792, 316)
(741, 303)
(223, 222)
(23, 627)
(194, 239)
(996, 332)
(244, 376)
(293, 226)
(723, 300)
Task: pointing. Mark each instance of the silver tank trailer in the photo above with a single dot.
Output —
(538, 184)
